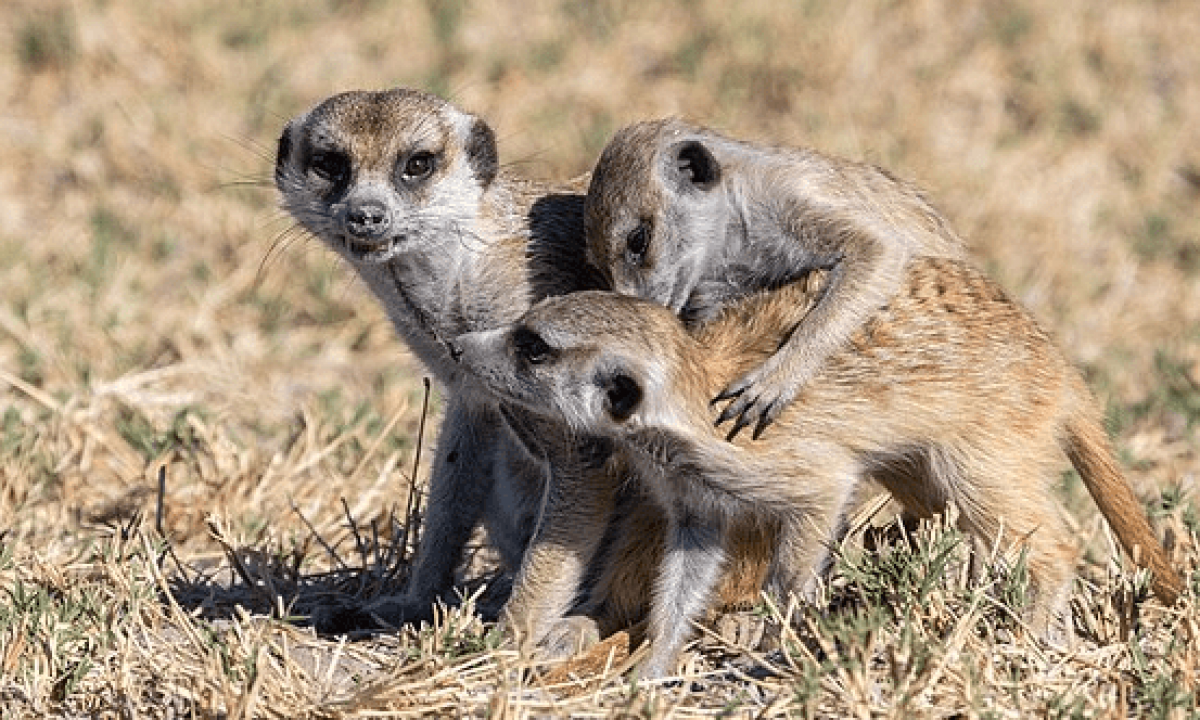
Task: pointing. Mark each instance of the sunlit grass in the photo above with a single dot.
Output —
(207, 427)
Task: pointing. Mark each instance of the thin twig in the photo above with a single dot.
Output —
(158, 509)
(328, 548)
(412, 508)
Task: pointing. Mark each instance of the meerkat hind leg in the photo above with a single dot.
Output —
(1050, 555)
(1007, 501)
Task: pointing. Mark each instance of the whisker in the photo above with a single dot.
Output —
(250, 181)
(351, 279)
(253, 145)
(279, 244)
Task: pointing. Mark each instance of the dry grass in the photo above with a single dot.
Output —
(157, 315)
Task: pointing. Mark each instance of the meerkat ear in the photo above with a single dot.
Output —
(481, 152)
(283, 152)
(694, 165)
(622, 395)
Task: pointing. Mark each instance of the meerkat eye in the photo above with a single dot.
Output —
(530, 347)
(418, 166)
(331, 166)
(637, 242)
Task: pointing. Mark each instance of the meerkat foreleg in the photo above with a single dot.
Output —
(804, 554)
(461, 481)
(867, 273)
(578, 500)
(458, 492)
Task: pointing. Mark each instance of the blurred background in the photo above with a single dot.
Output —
(158, 310)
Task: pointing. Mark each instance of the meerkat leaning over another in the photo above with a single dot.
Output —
(689, 218)
(408, 190)
(950, 393)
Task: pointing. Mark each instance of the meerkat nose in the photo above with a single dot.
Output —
(368, 219)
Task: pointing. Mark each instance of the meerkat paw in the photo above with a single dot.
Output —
(758, 398)
(1054, 626)
(567, 637)
(742, 629)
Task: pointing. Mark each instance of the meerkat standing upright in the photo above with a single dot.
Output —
(684, 216)
(408, 189)
(951, 393)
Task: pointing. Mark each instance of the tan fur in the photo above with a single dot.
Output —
(950, 393)
(682, 215)
(408, 190)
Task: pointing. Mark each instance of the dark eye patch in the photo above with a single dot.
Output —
(637, 242)
(530, 347)
(331, 166)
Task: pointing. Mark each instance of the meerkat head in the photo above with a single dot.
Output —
(594, 359)
(374, 174)
(654, 210)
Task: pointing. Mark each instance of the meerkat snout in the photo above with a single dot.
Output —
(367, 220)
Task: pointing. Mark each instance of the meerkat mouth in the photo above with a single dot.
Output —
(373, 253)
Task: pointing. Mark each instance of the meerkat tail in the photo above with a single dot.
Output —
(1090, 451)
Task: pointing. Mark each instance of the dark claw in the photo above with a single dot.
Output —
(726, 394)
(763, 421)
(731, 410)
(737, 427)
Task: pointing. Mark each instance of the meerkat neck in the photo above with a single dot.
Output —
(506, 203)
(737, 229)
(459, 260)
(428, 314)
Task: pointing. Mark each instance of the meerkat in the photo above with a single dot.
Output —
(682, 215)
(408, 190)
(950, 393)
